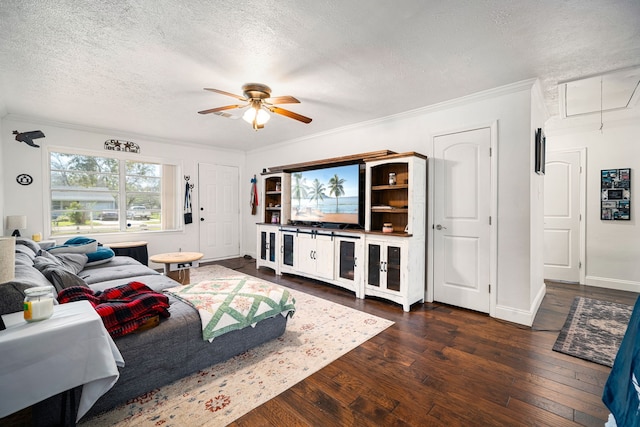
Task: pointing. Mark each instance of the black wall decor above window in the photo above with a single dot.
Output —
(615, 194)
(120, 145)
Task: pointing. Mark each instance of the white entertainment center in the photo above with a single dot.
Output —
(360, 258)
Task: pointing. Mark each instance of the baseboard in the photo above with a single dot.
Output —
(522, 317)
(608, 283)
(537, 301)
(514, 315)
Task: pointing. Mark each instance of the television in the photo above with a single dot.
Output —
(330, 196)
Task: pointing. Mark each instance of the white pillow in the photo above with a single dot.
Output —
(76, 249)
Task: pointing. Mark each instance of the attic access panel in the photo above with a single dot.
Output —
(607, 92)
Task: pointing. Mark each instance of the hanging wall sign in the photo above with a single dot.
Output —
(24, 179)
(120, 145)
(615, 194)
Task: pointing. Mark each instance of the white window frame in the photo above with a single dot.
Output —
(170, 214)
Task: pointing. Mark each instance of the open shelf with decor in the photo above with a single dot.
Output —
(390, 201)
(275, 209)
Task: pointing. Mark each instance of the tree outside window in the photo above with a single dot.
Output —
(99, 194)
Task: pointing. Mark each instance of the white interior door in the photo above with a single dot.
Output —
(462, 209)
(562, 216)
(218, 212)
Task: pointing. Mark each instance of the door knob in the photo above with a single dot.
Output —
(201, 219)
(440, 227)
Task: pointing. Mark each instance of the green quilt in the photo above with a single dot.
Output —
(233, 303)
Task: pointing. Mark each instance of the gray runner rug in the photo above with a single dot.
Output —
(594, 330)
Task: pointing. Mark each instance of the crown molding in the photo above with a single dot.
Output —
(429, 109)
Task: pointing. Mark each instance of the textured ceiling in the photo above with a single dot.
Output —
(140, 67)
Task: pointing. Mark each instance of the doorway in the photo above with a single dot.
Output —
(564, 186)
(462, 229)
(218, 211)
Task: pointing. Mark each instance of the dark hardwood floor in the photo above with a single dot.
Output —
(445, 366)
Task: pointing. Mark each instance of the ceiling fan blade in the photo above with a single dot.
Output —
(289, 114)
(226, 107)
(282, 100)
(222, 92)
(226, 115)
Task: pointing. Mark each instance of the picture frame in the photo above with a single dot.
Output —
(540, 151)
(615, 194)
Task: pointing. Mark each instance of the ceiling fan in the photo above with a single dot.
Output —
(258, 97)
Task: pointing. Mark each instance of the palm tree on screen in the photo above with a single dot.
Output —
(299, 188)
(336, 188)
(317, 191)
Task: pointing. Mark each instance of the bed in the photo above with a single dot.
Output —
(622, 389)
(173, 349)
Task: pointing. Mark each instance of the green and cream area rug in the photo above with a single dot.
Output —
(319, 333)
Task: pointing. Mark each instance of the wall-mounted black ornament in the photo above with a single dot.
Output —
(24, 179)
(28, 137)
(120, 145)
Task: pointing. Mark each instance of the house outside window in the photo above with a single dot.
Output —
(92, 194)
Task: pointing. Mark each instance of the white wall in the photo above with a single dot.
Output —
(18, 157)
(511, 107)
(2, 177)
(538, 117)
(612, 247)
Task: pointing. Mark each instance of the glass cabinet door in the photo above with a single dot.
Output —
(287, 249)
(272, 247)
(373, 276)
(263, 245)
(347, 260)
(393, 268)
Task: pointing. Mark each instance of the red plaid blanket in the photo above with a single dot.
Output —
(124, 308)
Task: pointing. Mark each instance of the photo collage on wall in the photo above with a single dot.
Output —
(615, 194)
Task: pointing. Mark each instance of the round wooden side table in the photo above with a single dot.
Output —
(177, 264)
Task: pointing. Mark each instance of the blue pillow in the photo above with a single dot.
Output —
(79, 240)
(102, 255)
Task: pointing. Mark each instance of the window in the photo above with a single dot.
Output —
(100, 194)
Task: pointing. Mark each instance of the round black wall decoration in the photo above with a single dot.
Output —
(24, 179)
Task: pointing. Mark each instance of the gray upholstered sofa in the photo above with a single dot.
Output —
(153, 358)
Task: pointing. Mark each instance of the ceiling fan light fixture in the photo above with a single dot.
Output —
(257, 115)
(258, 97)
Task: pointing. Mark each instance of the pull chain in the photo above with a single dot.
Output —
(601, 122)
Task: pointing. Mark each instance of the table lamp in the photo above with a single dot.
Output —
(7, 263)
(17, 223)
